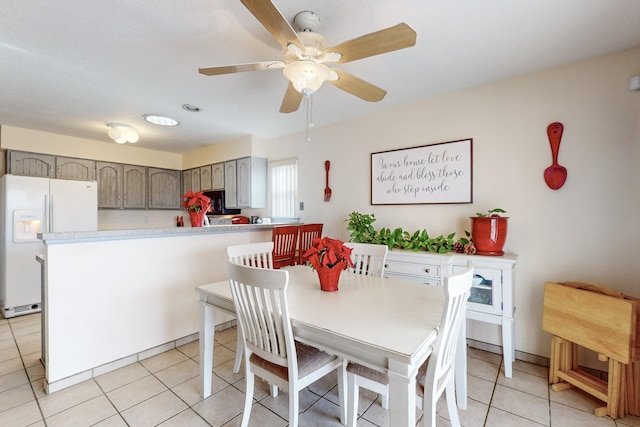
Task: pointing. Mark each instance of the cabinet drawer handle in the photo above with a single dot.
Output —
(427, 270)
(386, 266)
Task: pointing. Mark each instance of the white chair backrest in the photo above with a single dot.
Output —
(457, 289)
(367, 258)
(252, 254)
(260, 299)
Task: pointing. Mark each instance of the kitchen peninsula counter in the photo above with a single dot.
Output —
(142, 233)
(114, 297)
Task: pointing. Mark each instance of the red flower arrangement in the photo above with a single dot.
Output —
(196, 201)
(326, 252)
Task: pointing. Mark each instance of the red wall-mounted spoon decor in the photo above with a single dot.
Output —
(555, 175)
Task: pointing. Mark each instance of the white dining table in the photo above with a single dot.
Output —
(387, 324)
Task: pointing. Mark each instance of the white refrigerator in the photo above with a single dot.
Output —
(28, 206)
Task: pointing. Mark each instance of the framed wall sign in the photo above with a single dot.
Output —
(436, 173)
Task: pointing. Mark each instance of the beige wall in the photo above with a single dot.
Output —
(586, 231)
(63, 145)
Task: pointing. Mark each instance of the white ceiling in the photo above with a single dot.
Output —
(71, 66)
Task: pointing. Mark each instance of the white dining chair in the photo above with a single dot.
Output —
(255, 255)
(270, 352)
(436, 375)
(367, 258)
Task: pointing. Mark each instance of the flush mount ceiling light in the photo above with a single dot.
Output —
(160, 120)
(122, 133)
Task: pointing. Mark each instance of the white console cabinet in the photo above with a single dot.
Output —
(492, 296)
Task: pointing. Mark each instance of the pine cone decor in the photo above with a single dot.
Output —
(458, 247)
(469, 249)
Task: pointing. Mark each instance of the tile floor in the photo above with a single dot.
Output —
(163, 391)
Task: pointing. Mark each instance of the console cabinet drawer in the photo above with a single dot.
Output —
(413, 269)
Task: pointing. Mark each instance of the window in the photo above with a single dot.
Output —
(284, 188)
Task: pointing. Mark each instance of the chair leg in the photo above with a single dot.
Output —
(450, 391)
(294, 406)
(239, 350)
(273, 390)
(248, 398)
(429, 407)
(342, 392)
(384, 398)
(352, 400)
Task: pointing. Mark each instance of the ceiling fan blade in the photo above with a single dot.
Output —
(239, 68)
(358, 87)
(393, 38)
(271, 18)
(291, 100)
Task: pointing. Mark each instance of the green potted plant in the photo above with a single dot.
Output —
(489, 232)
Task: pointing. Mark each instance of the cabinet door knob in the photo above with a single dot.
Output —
(386, 266)
(427, 270)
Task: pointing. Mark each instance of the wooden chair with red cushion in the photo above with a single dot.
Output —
(285, 239)
(308, 232)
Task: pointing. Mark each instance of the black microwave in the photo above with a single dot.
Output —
(217, 203)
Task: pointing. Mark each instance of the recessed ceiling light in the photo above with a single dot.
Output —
(190, 107)
(160, 120)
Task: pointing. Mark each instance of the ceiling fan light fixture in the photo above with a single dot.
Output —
(122, 133)
(307, 76)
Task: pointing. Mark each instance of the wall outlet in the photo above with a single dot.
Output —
(301, 206)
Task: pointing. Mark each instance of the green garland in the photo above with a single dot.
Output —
(362, 231)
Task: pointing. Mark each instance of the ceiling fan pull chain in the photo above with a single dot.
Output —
(309, 106)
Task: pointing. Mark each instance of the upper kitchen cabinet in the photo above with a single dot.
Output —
(252, 182)
(217, 176)
(121, 186)
(31, 164)
(230, 179)
(110, 184)
(78, 169)
(205, 178)
(191, 180)
(164, 188)
(135, 187)
(186, 181)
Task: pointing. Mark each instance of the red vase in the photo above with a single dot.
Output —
(489, 234)
(197, 218)
(329, 277)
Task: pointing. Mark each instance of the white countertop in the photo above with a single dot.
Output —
(52, 238)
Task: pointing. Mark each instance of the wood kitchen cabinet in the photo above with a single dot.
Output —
(230, 184)
(121, 186)
(110, 184)
(246, 183)
(164, 188)
(186, 181)
(191, 180)
(206, 183)
(77, 169)
(31, 164)
(252, 182)
(135, 187)
(49, 166)
(217, 176)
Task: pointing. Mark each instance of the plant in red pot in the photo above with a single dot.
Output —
(489, 232)
(329, 257)
(196, 205)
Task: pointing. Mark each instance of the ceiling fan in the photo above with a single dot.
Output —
(307, 57)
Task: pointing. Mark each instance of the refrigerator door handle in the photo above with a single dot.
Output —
(46, 219)
(51, 215)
